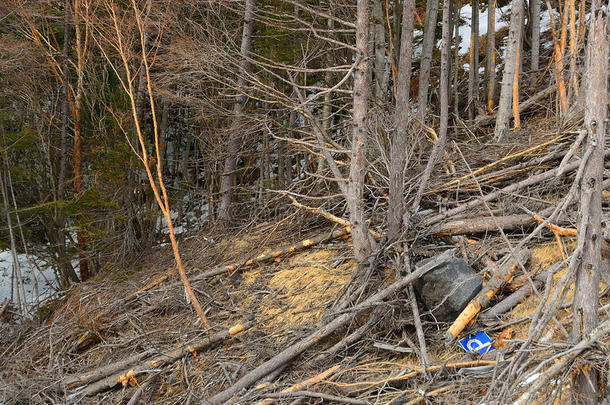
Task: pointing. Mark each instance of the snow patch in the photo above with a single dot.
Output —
(39, 279)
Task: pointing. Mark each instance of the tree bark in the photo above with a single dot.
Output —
(228, 175)
(439, 146)
(426, 58)
(81, 49)
(21, 298)
(585, 305)
(398, 147)
(67, 271)
(473, 66)
(510, 65)
(490, 60)
(535, 23)
(362, 79)
(379, 31)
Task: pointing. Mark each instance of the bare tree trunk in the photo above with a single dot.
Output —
(510, 64)
(327, 107)
(379, 32)
(490, 64)
(228, 175)
(67, 271)
(516, 112)
(535, 23)
(473, 72)
(362, 79)
(426, 58)
(455, 66)
(396, 32)
(573, 78)
(398, 147)
(21, 298)
(439, 146)
(81, 50)
(585, 304)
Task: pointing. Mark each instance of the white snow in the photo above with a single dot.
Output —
(35, 273)
(501, 21)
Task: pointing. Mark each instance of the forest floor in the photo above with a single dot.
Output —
(136, 324)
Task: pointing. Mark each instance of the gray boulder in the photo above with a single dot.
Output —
(447, 288)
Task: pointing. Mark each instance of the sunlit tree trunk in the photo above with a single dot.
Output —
(510, 65)
(490, 60)
(233, 147)
(516, 112)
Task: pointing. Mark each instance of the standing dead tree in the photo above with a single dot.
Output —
(362, 80)
(510, 67)
(228, 174)
(398, 145)
(585, 306)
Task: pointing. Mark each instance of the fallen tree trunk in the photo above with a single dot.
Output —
(485, 224)
(530, 181)
(294, 350)
(499, 277)
(104, 371)
(119, 374)
(515, 298)
(483, 120)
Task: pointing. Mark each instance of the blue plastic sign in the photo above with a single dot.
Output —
(479, 343)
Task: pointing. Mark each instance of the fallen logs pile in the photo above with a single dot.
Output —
(125, 372)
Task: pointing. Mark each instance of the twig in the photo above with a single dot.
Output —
(326, 397)
(362, 385)
(596, 335)
(303, 384)
(515, 298)
(327, 215)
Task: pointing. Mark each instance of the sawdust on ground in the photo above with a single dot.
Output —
(299, 291)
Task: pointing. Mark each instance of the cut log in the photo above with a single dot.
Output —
(296, 349)
(485, 224)
(502, 275)
(104, 371)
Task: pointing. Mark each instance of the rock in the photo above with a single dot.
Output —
(447, 288)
